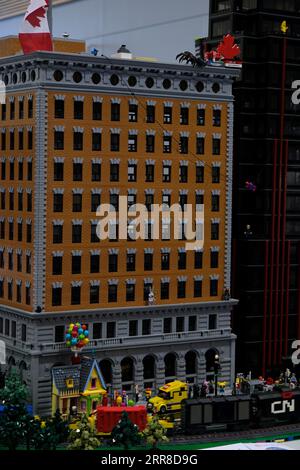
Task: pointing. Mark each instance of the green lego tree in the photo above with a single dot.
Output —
(60, 427)
(155, 433)
(84, 437)
(126, 433)
(14, 418)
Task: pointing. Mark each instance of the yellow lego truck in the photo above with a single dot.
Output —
(169, 398)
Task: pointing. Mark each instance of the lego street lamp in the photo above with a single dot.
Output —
(217, 368)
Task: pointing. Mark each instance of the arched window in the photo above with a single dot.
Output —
(170, 365)
(149, 367)
(191, 363)
(127, 368)
(106, 370)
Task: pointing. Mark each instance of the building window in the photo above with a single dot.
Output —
(94, 294)
(2, 201)
(9, 290)
(215, 229)
(113, 263)
(182, 259)
(149, 201)
(1, 259)
(11, 230)
(114, 201)
(21, 140)
(97, 330)
(76, 233)
(19, 262)
(3, 170)
(113, 293)
(212, 322)
(165, 261)
(12, 111)
(133, 113)
(11, 201)
(130, 293)
(216, 118)
(147, 289)
(201, 117)
(23, 333)
(150, 143)
(115, 142)
(95, 202)
(183, 174)
(200, 146)
(184, 145)
(96, 171)
(181, 289)
(114, 172)
(56, 297)
(77, 202)
(132, 172)
(95, 263)
(3, 141)
(94, 235)
(198, 260)
(146, 327)
(184, 116)
(168, 114)
(29, 171)
(2, 230)
(28, 295)
(19, 293)
(199, 199)
(10, 261)
(111, 330)
(28, 233)
(57, 265)
(3, 112)
(75, 295)
(179, 324)
(20, 171)
(78, 109)
(58, 173)
(216, 146)
(77, 171)
(58, 202)
(166, 174)
(59, 334)
(215, 174)
(167, 325)
(215, 203)
(214, 259)
(97, 111)
(150, 114)
(12, 170)
(77, 141)
(76, 264)
(133, 328)
(96, 141)
(193, 323)
(57, 234)
(197, 289)
(148, 262)
(59, 139)
(115, 112)
(21, 109)
(132, 143)
(30, 108)
(30, 140)
(28, 264)
(131, 200)
(167, 144)
(165, 290)
(150, 170)
(214, 287)
(131, 262)
(1, 296)
(59, 111)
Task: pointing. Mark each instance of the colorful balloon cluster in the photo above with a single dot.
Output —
(77, 336)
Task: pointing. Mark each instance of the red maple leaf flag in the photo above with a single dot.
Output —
(228, 49)
(35, 33)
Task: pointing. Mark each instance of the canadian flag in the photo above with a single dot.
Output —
(35, 33)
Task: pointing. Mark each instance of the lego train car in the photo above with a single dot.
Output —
(260, 409)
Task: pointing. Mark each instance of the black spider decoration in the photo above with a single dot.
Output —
(190, 58)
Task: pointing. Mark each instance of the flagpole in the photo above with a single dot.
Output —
(50, 16)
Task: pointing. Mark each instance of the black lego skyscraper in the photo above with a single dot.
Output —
(266, 222)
